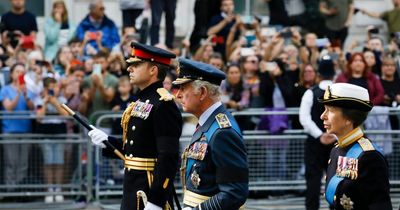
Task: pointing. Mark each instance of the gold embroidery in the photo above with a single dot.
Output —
(165, 95)
(125, 121)
(223, 120)
(165, 185)
(366, 145)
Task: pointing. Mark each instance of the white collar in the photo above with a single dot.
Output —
(203, 117)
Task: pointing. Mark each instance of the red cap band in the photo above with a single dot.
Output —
(147, 56)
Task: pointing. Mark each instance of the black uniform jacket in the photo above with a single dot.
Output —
(370, 188)
(153, 131)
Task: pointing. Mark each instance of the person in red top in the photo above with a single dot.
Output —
(357, 73)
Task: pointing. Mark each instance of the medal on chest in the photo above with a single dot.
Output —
(198, 150)
(347, 167)
(346, 202)
(195, 178)
(141, 109)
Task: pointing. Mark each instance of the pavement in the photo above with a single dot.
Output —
(287, 202)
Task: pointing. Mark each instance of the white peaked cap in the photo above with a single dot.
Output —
(347, 96)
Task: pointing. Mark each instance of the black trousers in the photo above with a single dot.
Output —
(157, 9)
(338, 37)
(129, 17)
(316, 156)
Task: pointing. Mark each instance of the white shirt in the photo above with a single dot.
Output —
(306, 121)
(203, 117)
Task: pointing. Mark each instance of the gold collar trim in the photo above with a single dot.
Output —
(351, 137)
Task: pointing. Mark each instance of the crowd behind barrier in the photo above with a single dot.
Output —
(87, 175)
(269, 67)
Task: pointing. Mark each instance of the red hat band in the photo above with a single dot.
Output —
(147, 56)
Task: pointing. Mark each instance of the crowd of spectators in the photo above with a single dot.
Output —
(267, 66)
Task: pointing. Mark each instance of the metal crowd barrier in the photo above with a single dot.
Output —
(275, 161)
(29, 188)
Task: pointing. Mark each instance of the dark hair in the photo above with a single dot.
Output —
(74, 40)
(170, 75)
(229, 65)
(236, 89)
(355, 116)
(102, 54)
(162, 70)
(48, 80)
(77, 68)
(13, 68)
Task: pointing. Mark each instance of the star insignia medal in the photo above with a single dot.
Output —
(346, 202)
(195, 178)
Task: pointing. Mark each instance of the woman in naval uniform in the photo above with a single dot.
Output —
(357, 175)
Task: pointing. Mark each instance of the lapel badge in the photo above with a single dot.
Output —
(346, 202)
(195, 178)
(223, 120)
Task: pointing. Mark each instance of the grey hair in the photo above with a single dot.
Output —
(213, 90)
(93, 4)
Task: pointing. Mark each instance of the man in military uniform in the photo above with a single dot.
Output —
(151, 126)
(214, 166)
(357, 175)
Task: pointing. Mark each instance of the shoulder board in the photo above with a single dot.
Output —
(366, 144)
(223, 120)
(165, 95)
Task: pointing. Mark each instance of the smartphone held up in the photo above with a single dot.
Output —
(21, 79)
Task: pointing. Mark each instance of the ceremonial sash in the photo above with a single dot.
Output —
(354, 152)
(208, 136)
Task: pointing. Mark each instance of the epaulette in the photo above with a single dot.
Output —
(223, 120)
(165, 95)
(366, 144)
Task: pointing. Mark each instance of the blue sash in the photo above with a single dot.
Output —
(354, 152)
(208, 136)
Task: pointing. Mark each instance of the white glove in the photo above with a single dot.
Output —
(151, 206)
(97, 136)
(187, 208)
